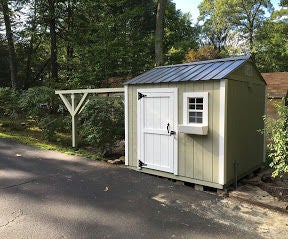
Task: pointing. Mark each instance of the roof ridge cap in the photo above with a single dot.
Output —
(244, 57)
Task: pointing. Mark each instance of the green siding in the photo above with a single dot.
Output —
(197, 154)
(245, 108)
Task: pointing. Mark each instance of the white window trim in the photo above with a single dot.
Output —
(195, 128)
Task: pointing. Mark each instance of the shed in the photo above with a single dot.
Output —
(196, 122)
(277, 89)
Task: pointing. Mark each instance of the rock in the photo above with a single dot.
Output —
(115, 161)
(266, 178)
(122, 159)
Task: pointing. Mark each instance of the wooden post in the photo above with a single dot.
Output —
(74, 121)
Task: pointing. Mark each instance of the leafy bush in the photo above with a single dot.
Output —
(41, 104)
(277, 137)
(102, 123)
(9, 103)
(39, 101)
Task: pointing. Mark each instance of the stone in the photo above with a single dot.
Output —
(122, 159)
(199, 187)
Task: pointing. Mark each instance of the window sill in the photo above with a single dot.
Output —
(193, 129)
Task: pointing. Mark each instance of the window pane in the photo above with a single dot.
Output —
(199, 107)
(192, 120)
(199, 120)
(192, 114)
(192, 100)
(191, 107)
(199, 100)
(199, 114)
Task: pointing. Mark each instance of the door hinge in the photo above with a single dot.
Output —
(140, 95)
(141, 164)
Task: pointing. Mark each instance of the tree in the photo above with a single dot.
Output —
(179, 34)
(215, 25)
(207, 52)
(4, 63)
(10, 41)
(53, 39)
(271, 43)
(159, 32)
(244, 17)
(271, 46)
(247, 17)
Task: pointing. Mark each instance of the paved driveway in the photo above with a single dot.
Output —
(46, 194)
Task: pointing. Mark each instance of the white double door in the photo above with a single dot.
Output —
(157, 124)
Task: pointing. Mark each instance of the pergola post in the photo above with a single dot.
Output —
(74, 119)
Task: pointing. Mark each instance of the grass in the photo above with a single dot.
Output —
(29, 134)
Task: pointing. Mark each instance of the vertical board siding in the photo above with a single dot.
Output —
(197, 154)
(215, 98)
(208, 139)
(198, 141)
(189, 152)
(245, 144)
(181, 137)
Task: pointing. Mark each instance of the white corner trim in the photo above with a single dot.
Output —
(175, 166)
(126, 125)
(222, 123)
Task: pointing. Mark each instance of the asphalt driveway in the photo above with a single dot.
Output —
(46, 194)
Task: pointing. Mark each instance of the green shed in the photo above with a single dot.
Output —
(196, 122)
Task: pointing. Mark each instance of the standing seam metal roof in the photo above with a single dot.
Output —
(194, 71)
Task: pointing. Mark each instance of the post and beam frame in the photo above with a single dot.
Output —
(74, 109)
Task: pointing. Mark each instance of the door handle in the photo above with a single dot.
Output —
(168, 126)
(172, 132)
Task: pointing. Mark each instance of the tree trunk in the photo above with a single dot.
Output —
(53, 41)
(159, 32)
(9, 36)
(69, 47)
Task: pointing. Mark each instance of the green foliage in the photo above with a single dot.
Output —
(41, 104)
(179, 34)
(9, 103)
(102, 123)
(224, 17)
(272, 43)
(277, 135)
(272, 47)
(39, 101)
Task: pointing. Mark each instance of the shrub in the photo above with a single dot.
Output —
(277, 137)
(9, 103)
(41, 104)
(102, 123)
(39, 101)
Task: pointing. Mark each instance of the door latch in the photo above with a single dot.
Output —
(172, 132)
(168, 127)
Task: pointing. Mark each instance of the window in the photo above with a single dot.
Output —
(195, 113)
(195, 109)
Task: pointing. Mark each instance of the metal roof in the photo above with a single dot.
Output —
(194, 71)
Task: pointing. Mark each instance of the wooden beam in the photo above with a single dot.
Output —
(82, 91)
